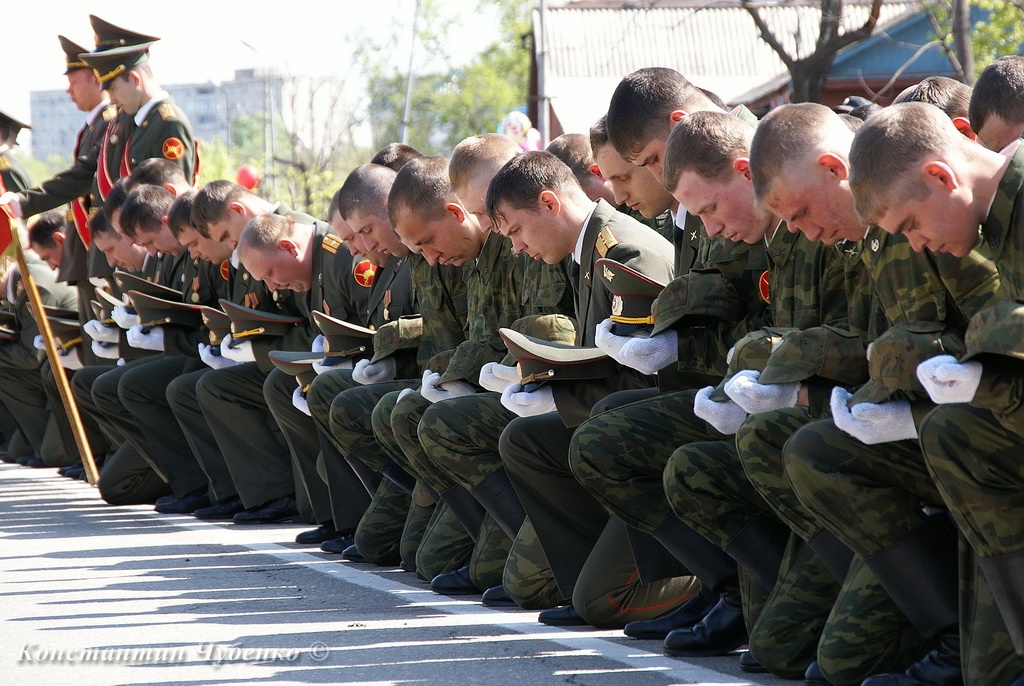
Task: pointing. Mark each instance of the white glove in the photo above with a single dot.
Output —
(120, 362)
(37, 342)
(318, 344)
(648, 355)
(70, 360)
(404, 392)
(299, 401)
(949, 381)
(123, 317)
(607, 341)
(153, 340)
(754, 397)
(378, 372)
(10, 199)
(540, 401)
(98, 332)
(242, 352)
(104, 350)
(725, 416)
(495, 376)
(872, 423)
(453, 389)
(214, 361)
(320, 368)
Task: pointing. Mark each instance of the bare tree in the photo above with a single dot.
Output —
(810, 73)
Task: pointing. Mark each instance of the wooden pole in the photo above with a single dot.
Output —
(36, 302)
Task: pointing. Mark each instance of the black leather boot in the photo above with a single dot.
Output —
(683, 617)
(499, 497)
(1005, 575)
(720, 632)
(401, 478)
(709, 563)
(832, 552)
(759, 549)
(940, 667)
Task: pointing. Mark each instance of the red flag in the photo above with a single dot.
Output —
(6, 225)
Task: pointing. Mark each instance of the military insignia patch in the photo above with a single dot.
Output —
(363, 273)
(331, 243)
(166, 111)
(616, 304)
(609, 275)
(874, 245)
(606, 241)
(109, 113)
(173, 149)
(225, 270)
(762, 286)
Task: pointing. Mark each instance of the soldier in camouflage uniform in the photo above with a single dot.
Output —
(875, 481)
(965, 446)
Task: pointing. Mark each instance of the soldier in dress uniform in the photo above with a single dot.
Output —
(12, 174)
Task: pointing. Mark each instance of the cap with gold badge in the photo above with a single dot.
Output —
(72, 51)
(127, 281)
(118, 50)
(633, 295)
(343, 341)
(297, 363)
(217, 322)
(159, 312)
(248, 323)
(541, 362)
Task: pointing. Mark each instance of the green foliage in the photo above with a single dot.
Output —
(1000, 32)
(40, 170)
(449, 104)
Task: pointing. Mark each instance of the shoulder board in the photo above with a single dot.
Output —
(4, 162)
(606, 241)
(109, 113)
(331, 243)
(167, 111)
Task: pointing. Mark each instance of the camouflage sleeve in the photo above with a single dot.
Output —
(972, 282)
(1002, 390)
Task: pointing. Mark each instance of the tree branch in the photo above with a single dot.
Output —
(863, 32)
(767, 36)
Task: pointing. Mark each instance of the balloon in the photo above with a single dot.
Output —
(248, 177)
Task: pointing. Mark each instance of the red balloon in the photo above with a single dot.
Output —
(248, 176)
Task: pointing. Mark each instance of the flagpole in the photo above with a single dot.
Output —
(36, 302)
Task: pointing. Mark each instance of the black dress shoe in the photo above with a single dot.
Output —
(162, 500)
(940, 667)
(272, 512)
(352, 554)
(8, 458)
(566, 615)
(813, 676)
(454, 583)
(25, 459)
(336, 545)
(225, 509)
(406, 567)
(683, 617)
(63, 471)
(749, 664)
(33, 462)
(719, 633)
(324, 532)
(495, 596)
(186, 504)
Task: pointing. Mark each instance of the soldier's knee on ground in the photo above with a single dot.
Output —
(527, 575)
(487, 563)
(379, 533)
(445, 545)
(421, 509)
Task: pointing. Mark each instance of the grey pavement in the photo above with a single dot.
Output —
(95, 594)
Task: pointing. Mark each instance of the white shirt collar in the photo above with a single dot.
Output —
(95, 112)
(577, 253)
(234, 258)
(143, 112)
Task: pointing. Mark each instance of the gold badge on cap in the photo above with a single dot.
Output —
(608, 274)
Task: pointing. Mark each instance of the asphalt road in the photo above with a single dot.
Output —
(94, 594)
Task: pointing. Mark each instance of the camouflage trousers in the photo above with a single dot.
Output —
(395, 425)
(869, 496)
(708, 489)
(986, 651)
(420, 510)
(976, 462)
(619, 455)
(460, 437)
(378, 535)
(864, 621)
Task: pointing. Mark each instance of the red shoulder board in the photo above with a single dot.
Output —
(762, 286)
(363, 273)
